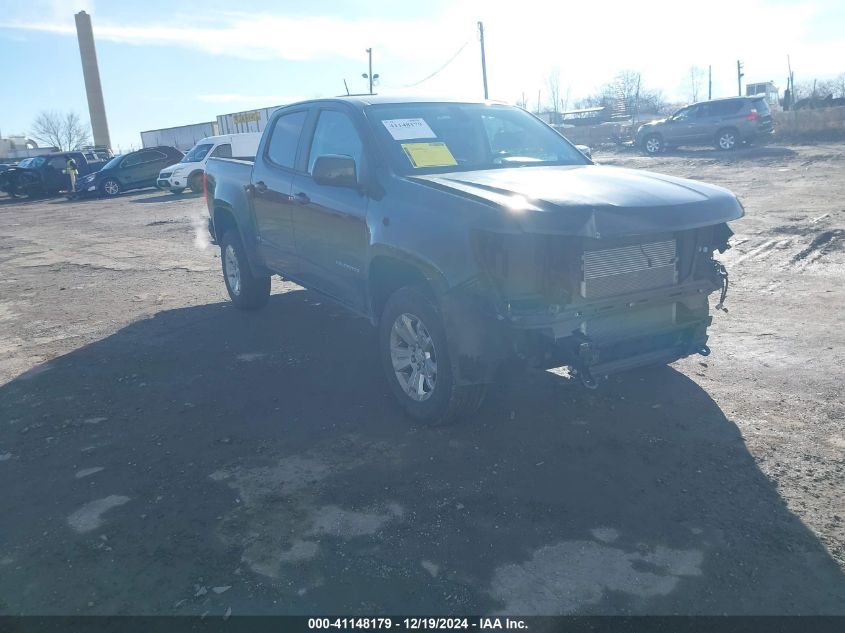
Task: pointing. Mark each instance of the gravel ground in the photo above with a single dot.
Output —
(161, 452)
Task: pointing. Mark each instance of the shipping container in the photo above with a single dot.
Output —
(246, 121)
(183, 137)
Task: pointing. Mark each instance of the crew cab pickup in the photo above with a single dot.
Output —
(476, 238)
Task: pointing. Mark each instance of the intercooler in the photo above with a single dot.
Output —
(630, 268)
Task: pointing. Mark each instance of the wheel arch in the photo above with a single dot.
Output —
(390, 269)
(225, 219)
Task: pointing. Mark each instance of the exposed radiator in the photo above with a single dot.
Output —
(616, 271)
(632, 323)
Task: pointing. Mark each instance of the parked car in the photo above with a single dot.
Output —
(725, 123)
(585, 150)
(47, 174)
(475, 238)
(129, 171)
(188, 172)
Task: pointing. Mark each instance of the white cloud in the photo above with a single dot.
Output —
(587, 42)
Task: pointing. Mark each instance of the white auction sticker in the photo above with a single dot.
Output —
(407, 129)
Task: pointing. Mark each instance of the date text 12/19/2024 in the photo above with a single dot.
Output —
(416, 623)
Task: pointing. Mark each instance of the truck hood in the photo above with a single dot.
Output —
(592, 200)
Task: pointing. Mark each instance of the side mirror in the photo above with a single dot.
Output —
(334, 170)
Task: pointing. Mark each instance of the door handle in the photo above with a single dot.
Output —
(302, 198)
(261, 187)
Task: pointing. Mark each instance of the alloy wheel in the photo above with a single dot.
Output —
(727, 140)
(233, 270)
(413, 356)
(652, 145)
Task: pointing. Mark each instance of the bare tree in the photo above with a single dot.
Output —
(838, 86)
(64, 131)
(554, 92)
(626, 96)
(653, 101)
(696, 80)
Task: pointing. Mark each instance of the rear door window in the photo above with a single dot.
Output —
(281, 150)
(726, 108)
(762, 107)
(224, 150)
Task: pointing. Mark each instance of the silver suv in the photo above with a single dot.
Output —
(724, 123)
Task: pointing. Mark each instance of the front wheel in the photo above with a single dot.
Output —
(110, 187)
(246, 291)
(653, 144)
(196, 183)
(177, 191)
(415, 355)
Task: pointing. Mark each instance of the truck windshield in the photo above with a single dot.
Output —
(443, 137)
(197, 153)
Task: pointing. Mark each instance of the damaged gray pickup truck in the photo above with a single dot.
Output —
(476, 239)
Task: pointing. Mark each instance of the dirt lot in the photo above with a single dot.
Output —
(161, 452)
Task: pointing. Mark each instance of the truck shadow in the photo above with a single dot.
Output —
(263, 451)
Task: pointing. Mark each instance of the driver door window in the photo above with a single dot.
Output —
(335, 134)
(686, 114)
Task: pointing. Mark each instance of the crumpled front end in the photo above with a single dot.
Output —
(603, 305)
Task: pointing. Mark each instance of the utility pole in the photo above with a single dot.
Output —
(739, 76)
(483, 59)
(709, 82)
(370, 75)
(790, 84)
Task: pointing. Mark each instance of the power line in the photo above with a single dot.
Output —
(441, 68)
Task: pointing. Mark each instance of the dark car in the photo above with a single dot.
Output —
(724, 123)
(47, 174)
(129, 171)
(476, 238)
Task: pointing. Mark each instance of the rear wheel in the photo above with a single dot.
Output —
(246, 291)
(727, 139)
(110, 187)
(415, 355)
(653, 144)
(196, 183)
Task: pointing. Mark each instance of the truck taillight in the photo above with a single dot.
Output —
(753, 116)
(205, 186)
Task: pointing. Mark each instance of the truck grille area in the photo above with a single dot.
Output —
(622, 269)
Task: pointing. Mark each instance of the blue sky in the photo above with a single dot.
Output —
(172, 63)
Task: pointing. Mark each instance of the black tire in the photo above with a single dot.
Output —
(249, 293)
(110, 187)
(195, 183)
(177, 191)
(446, 402)
(727, 139)
(653, 145)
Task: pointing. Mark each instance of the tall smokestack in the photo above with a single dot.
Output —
(91, 73)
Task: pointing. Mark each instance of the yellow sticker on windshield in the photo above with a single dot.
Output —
(429, 154)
